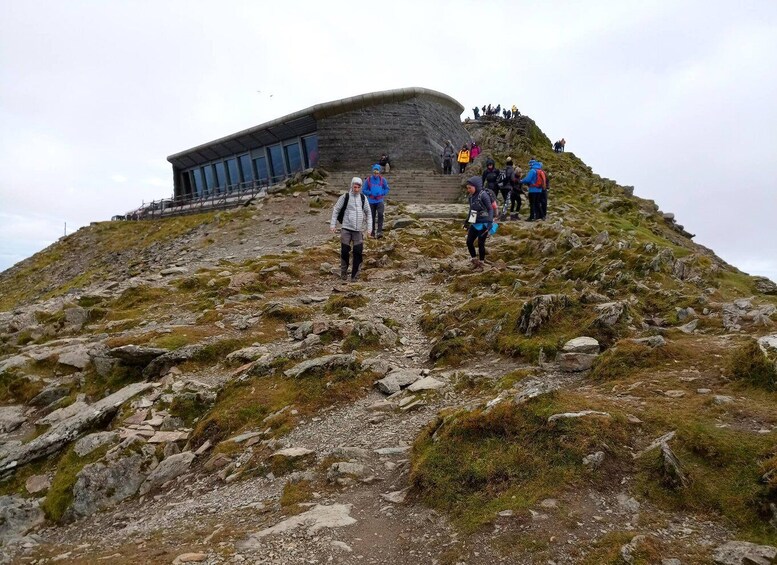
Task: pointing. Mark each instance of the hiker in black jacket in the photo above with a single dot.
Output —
(490, 177)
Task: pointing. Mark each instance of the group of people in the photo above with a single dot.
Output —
(496, 111)
(558, 147)
(365, 203)
(464, 157)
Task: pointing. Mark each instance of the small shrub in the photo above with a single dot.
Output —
(337, 302)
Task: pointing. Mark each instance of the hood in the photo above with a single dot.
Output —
(490, 162)
(476, 182)
(535, 164)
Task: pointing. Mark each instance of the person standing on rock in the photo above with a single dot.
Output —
(463, 158)
(352, 209)
(448, 153)
(385, 163)
(376, 189)
(479, 220)
(535, 178)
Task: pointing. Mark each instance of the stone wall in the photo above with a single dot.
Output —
(412, 132)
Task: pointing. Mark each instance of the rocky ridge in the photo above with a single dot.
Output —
(204, 389)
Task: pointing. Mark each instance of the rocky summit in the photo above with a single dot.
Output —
(205, 389)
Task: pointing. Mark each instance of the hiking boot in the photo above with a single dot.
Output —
(514, 217)
(379, 236)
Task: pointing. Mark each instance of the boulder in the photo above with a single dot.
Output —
(76, 317)
(61, 414)
(69, 429)
(104, 484)
(365, 328)
(87, 444)
(326, 362)
(164, 363)
(573, 415)
(167, 470)
(426, 383)
(743, 552)
(650, 341)
(343, 469)
(689, 327)
(75, 356)
(576, 362)
(765, 286)
(11, 417)
(174, 271)
(49, 394)
(398, 379)
(537, 311)
(136, 355)
(610, 313)
(37, 483)
(404, 222)
(18, 516)
(581, 345)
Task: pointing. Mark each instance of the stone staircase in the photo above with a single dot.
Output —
(412, 186)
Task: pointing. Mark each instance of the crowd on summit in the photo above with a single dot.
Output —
(488, 110)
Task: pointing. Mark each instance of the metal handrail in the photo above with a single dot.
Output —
(221, 197)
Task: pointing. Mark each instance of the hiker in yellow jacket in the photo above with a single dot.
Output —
(463, 158)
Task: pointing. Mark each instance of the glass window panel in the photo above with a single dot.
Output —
(221, 176)
(262, 173)
(293, 157)
(276, 162)
(310, 143)
(233, 177)
(186, 182)
(210, 180)
(198, 184)
(246, 171)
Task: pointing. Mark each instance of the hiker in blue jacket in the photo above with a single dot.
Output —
(376, 189)
(479, 220)
(536, 180)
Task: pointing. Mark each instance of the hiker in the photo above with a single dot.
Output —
(385, 163)
(376, 188)
(490, 177)
(463, 158)
(448, 153)
(515, 111)
(544, 195)
(479, 221)
(476, 112)
(506, 185)
(515, 194)
(557, 147)
(536, 180)
(351, 210)
(474, 152)
(563, 143)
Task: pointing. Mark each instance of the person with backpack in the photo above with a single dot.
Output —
(474, 152)
(537, 181)
(376, 189)
(515, 195)
(506, 182)
(448, 153)
(385, 163)
(351, 211)
(490, 178)
(544, 195)
(463, 158)
(479, 221)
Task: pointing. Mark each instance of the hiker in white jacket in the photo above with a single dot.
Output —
(351, 210)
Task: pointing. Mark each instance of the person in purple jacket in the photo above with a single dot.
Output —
(376, 189)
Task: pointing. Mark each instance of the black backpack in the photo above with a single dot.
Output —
(341, 214)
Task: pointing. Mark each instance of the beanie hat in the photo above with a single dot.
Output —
(356, 180)
(376, 167)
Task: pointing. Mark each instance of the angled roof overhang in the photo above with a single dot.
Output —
(299, 123)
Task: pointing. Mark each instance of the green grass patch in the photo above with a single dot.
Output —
(336, 302)
(472, 464)
(60, 494)
(749, 365)
(18, 388)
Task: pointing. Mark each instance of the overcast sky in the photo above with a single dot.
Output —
(676, 98)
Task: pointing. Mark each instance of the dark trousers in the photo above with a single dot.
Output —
(544, 203)
(515, 205)
(462, 166)
(346, 238)
(535, 206)
(481, 236)
(377, 214)
(447, 167)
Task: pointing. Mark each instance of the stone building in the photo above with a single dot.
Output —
(343, 136)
